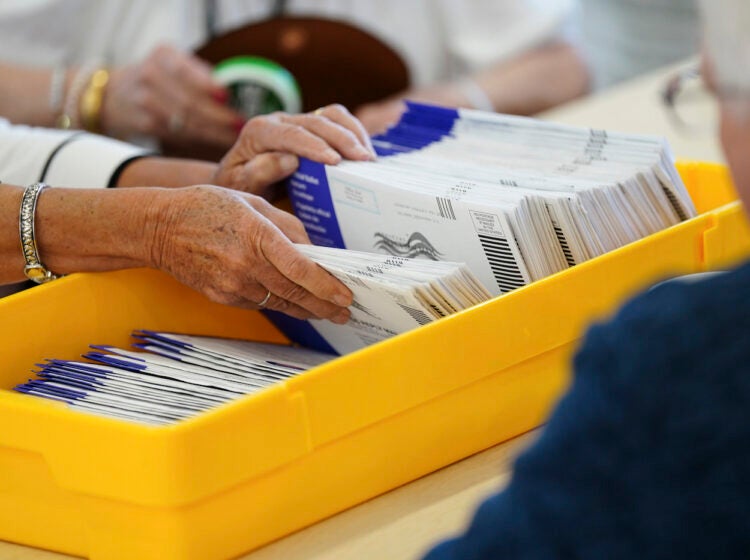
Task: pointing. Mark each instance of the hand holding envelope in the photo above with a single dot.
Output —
(237, 249)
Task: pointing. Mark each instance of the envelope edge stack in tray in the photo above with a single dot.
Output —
(466, 186)
(171, 378)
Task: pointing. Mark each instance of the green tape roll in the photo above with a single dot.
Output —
(258, 86)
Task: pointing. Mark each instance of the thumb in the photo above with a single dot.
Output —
(264, 170)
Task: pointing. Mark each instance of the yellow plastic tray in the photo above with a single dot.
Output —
(254, 470)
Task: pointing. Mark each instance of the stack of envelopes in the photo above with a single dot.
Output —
(392, 295)
(173, 376)
(515, 198)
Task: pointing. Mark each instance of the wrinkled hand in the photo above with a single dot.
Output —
(235, 248)
(267, 149)
(169, 95)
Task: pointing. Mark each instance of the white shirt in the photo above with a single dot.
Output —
(438, 39)
(61, 158)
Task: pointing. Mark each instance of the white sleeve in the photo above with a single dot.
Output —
(480, 33)
(61, 158)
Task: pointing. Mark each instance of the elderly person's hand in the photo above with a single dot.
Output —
(237, 249)
(266, 151)
(233, 247)
(264, 154)
(170, 95)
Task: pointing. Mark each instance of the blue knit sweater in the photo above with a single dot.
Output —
(648, 455)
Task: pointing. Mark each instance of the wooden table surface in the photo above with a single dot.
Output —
(399, 525)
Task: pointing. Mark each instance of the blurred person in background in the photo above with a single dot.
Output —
(622, 39)
(480, 54)
(514, 56)
(646, 456)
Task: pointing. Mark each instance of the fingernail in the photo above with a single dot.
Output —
(221, 96)
(332, 155)
(342, 318)
(364, 153)
(288, 163)
(342, 300)
(239, 124)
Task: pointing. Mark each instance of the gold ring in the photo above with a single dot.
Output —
(319, 111)
(263, 303)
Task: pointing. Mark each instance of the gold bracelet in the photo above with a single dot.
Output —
(90, 106)
(69, 118)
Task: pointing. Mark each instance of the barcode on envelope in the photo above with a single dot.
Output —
(564, 245)
(445, 208)
(675, 203)
(502, 263)
(418, 315)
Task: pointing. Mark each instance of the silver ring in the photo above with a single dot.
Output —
(263, 303)
(176, 122)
